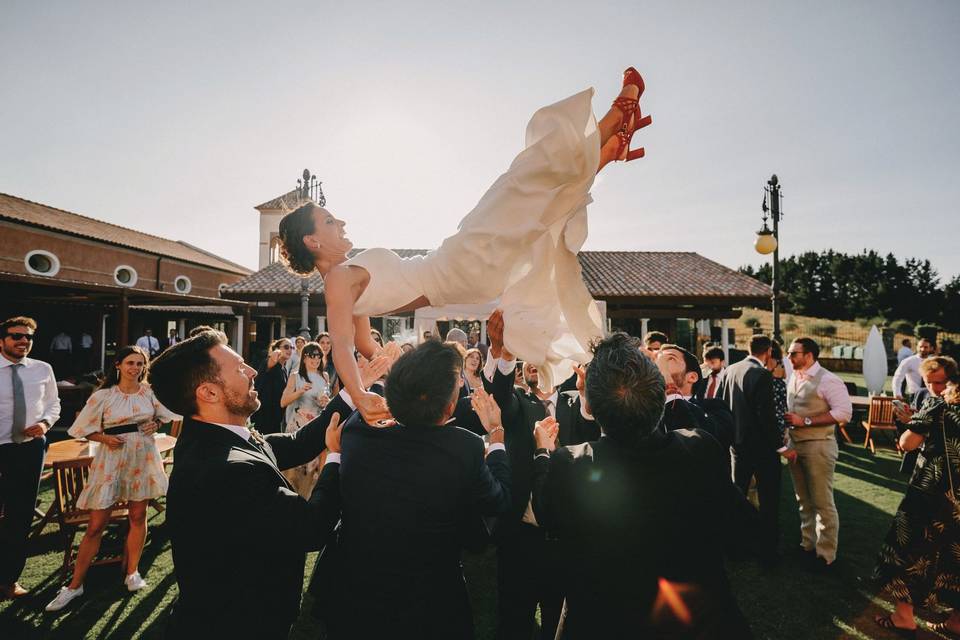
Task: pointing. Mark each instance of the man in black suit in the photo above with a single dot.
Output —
(747, 388)
(239, 533)
(411, 495)
(270, 383)
(526, 560)
(641, 515)
(683, 410)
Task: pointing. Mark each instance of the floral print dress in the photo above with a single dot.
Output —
(919, 561)
(135, 470)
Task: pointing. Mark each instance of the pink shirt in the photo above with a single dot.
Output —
(831, 389)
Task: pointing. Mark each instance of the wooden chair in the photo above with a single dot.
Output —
(70, 476)
(880, 418)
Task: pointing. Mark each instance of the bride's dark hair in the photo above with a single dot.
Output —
(293, 252)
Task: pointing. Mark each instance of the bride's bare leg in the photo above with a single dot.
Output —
(612, 122)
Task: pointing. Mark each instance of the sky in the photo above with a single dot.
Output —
(177, 118)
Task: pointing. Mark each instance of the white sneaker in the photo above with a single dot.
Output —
(134, 582)
(63, 598)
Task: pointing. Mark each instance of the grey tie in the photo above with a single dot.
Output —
(19, 405)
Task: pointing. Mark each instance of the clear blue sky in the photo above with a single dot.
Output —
(177, 118)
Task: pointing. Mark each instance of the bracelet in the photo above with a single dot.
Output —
(494, 430)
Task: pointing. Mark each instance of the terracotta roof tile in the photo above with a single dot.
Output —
(607, 274)
(287, 202)
(41, 215)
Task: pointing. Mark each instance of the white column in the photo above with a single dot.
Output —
(182, 328)
(238, 336)
(321, 324)
(283, 327)
(724, 340)
(644, 322)
(103, 340)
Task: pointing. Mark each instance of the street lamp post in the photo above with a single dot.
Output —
(769, 242)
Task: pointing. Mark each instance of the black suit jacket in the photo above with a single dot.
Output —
(747, 389)
(624, 517)
(239, 533)
(520, 411)
(411, 495)
(270, 383)
(711, 416)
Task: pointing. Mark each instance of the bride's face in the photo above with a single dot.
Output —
(328, 238)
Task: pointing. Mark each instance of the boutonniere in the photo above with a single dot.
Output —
(257, 437)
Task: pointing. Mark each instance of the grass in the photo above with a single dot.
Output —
(789, 603)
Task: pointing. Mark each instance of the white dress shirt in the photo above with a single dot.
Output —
(86, 341)
(908, 370)
(831, 389)
(61, 342)
(150, 344)
(244, 433)
(39, 391)
(904, 353)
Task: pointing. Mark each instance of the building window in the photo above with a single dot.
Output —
(41, 263)
(182, 284)
(125, 276)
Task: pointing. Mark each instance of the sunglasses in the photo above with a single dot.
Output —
(795, 353)
(286, 346)
(20, 336)
(311, 355)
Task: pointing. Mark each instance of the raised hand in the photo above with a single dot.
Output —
(392, 351)
(372, 407)
(373, 370)
(334, 430)
(545, 432)
(487, 409)
(495, 333)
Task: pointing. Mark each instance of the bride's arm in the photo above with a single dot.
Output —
(365, 343)
(340, 298)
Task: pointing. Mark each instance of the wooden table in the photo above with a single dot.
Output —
(76, 449)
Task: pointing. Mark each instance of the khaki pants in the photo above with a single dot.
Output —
(813, 484)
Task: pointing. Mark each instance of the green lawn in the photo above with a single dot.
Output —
(789, 603)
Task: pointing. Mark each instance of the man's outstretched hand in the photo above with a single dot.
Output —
(372, 407)
(334, 429)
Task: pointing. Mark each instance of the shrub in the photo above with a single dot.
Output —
(791, 326)
(928, 331)
(823, 329)
(752, 322)
(901, 326)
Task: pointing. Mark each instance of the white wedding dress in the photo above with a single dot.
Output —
(519, 244)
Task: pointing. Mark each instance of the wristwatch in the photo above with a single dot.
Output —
(807, 422)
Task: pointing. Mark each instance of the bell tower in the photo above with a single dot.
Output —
(271, 212)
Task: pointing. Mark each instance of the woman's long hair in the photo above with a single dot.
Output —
(112, 378)
(479, 354)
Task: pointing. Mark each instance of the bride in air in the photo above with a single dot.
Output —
(519, 244)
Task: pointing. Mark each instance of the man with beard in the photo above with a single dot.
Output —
(239, 533)
(526, 566)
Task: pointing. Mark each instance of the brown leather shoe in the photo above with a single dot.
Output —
(11, 591)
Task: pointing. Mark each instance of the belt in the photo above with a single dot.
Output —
(121, 428)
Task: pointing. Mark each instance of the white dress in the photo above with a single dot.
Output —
(519, 244)
(135, 470)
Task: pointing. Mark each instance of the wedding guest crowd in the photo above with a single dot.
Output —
(612, 500)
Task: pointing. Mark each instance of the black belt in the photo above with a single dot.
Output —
(121, 428)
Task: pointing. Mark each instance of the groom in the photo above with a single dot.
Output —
(239, 533)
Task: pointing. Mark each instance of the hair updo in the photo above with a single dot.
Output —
(293, 252)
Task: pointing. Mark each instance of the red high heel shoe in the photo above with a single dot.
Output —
(630, 107)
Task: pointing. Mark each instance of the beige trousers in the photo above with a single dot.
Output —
(813, 484)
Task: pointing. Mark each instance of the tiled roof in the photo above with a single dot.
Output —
(207, 310)
(664, 273)
(41, 215)
(607, 274)
(287, 202)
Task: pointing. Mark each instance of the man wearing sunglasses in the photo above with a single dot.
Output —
(29, 405)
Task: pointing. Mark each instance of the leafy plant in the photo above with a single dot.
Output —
(752, 322)
(823, 329)
(902, 326)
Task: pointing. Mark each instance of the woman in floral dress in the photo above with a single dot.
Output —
(306, 394)
(919, 561)
(121, 416)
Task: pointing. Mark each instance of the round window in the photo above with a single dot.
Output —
(182, 284)
(41, 263)
(125, 276)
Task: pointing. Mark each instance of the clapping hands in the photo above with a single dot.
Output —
(545, 432)
(487, 410)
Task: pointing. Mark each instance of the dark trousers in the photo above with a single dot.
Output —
(20, 467)
(765, 466)
(526, 577)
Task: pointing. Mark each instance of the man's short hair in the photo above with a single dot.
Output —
(690, 362)
(456, 335)
(655, 336)
(625, 389)
(17, 321)
(711, 353)
(905, 342)
(809, 346)
(935, 363)
(422, 383)
(177, 372)
(759, 344)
